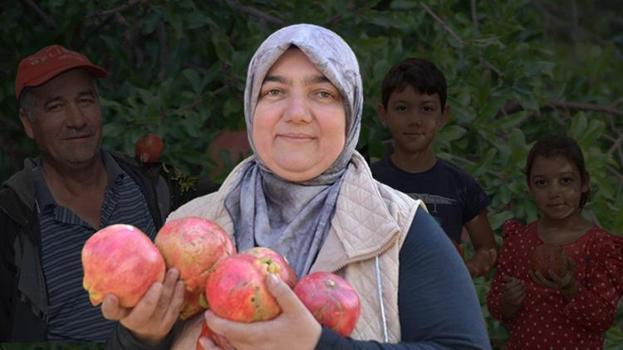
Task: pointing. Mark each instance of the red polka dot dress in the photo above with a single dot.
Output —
(546, 320)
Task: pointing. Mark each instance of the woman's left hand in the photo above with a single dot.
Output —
(294, 328)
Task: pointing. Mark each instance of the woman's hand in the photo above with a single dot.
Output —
(294, 328)
(155, 314)
(565, 283)
(513, 296)
(188, 337)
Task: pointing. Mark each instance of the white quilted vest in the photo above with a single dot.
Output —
(363, 243)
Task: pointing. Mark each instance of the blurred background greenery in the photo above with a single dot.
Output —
(516, 70)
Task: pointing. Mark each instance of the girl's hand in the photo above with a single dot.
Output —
(481, 262)
(513, 296)
(294, 328)
(566, 283)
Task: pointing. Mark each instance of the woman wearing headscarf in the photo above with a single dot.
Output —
(309, 195)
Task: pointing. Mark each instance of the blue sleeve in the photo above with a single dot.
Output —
(437, 300)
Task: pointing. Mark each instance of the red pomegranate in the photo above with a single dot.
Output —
(149, 148)
(193, 245)
(236, 288)
(547, 257)
(120, 260)
(220, 341)
(331, 299)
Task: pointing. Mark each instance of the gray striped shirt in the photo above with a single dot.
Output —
(71, 316)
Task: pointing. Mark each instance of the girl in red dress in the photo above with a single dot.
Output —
(574, 308)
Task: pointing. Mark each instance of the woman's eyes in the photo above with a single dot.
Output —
(319, 94)
(326, 95)
(272, 92)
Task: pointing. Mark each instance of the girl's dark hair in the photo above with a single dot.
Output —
(559, 146)
(418, 73)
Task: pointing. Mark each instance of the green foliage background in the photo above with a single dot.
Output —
(516, 70)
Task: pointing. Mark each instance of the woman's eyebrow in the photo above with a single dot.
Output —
(316, 79)
(276, 79)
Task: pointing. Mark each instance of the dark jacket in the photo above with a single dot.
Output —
(23, 295)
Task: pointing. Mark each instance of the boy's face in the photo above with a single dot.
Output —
(413, 119)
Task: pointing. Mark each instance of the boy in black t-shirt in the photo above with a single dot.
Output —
(414, 108)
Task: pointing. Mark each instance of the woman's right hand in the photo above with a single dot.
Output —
(513, 296)
(294, 328)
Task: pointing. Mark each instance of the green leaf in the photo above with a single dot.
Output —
(221, 45)
(197, 20)
(149, 23)
(193, 77)
(451, 132)
(403, 4)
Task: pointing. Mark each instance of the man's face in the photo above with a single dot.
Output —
(413, 119)
(66, 119)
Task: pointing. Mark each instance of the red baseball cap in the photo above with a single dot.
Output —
(49, 62)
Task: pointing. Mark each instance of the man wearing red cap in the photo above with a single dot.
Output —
(50, 208)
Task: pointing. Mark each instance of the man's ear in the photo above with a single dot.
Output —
(381, 114)
(26, 123)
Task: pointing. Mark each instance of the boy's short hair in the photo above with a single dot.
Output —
(420, 74)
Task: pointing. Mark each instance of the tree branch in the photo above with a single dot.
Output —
(514, 106)
(555, 23)
(461, 42)
(235, 5)
(483, 62)
(111, 14)
(616, 145)
(617, 102)
(474, 14)
(443, 24)
(164, 49)
(197, 101)
(113, 11)
(581, 106)
(615, 173)
(49, 21)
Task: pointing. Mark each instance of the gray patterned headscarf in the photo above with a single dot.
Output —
(293, 218)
